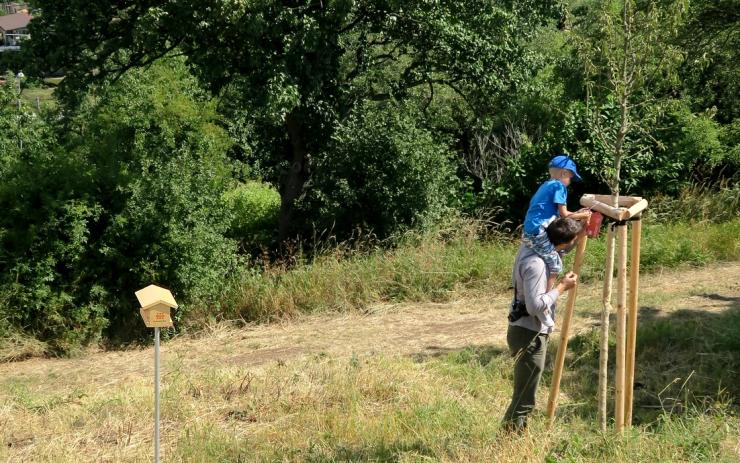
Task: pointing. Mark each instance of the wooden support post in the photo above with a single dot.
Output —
(621, 325)
(564, 333)
(629, 380)
(605, 311)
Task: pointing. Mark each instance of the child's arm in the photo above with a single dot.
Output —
(583, 214)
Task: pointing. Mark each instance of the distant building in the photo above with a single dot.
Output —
(13, 7)
(13, 30)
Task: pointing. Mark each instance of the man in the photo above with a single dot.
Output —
(532, 318)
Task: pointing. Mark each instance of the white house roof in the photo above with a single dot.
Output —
(14, 21)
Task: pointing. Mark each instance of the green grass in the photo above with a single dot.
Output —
(44, 95)
(434, 269)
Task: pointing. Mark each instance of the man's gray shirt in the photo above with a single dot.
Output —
(530, 283)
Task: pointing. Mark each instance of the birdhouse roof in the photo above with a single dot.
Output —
(153, 296)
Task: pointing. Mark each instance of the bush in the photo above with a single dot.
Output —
(129, 194)
(255, 207)
(382, 172)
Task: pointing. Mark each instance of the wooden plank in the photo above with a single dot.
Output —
(606, 310)
(621, 326)
(637, 208)
(565, 333)
(629, 381)
(616, 213)
(623, 201)
(629, 206)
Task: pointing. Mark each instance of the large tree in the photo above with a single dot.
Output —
(296, 69)
(711, 72)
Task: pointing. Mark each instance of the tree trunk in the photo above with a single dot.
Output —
(292, 181)
(605, 311)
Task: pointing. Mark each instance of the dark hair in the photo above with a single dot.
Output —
(563, 230)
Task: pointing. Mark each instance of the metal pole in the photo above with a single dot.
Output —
(156, 395)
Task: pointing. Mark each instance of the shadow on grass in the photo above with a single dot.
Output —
(382, 453)
(478, 355)
(688, 358)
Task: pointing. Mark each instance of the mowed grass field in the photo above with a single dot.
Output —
(398, 383)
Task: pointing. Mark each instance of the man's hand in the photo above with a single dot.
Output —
(568, 282)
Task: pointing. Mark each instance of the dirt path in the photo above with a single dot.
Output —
(400, 329)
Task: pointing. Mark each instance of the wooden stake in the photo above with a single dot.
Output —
(621, 325)
(637, 208)
(605, 311)
(564, 333)
(629, 380)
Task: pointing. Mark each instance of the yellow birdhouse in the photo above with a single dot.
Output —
(156, 304)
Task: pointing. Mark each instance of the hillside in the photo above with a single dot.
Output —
(339, 387)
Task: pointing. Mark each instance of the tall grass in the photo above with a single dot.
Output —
(435, 269)
(696, 204)
(431, 267)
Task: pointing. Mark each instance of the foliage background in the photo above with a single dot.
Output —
(203, 145)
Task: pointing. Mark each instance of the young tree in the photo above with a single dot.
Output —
(626, 50)
(297, 67)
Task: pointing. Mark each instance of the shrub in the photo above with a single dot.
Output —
(254, 206)
(129, 194)
(381, 172)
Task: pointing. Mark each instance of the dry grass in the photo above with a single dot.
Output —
(368, 388)
(380, 408)
(15, 346)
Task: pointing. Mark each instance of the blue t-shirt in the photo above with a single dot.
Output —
(544, 205)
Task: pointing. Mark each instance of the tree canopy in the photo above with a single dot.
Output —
(298, 68)
(198, 144)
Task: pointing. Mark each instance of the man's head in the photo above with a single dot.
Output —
(563, 168)
(563, 232)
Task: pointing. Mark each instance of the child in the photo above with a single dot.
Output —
(547, 204)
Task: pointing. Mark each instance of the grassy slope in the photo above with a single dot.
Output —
(388, 407)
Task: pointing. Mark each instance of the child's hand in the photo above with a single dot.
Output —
(583, 214)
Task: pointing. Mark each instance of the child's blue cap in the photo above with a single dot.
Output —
(565, 162)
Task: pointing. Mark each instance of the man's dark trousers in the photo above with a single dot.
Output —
(528, 348)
